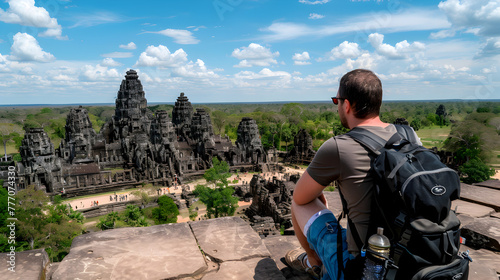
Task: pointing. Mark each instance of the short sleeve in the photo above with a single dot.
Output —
(325, 167)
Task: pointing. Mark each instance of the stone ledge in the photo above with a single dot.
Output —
(146, 253)
(30, 264)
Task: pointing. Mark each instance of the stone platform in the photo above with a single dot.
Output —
(223, 248)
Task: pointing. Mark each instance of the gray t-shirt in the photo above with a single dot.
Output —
(344, 160)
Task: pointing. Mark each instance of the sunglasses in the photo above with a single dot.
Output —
(336, 100)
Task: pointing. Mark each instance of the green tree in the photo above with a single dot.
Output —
(134, 216)
(166, 212)
(41, 225)
(217, 195)
(475, 171)
(416, 124)
(108, 221)
(8, 132)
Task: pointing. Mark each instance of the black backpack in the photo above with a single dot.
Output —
(411, 201)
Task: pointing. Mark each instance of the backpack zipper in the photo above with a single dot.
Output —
(405, 184)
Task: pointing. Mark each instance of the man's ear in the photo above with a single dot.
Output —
(348, 106)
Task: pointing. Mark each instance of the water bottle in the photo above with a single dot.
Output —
(374, 264)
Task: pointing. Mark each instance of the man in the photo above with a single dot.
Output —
(344, 160)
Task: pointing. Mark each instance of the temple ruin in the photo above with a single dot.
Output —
(135, 147)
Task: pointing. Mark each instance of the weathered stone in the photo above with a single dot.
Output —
(484, 257)
(144, 253)
(483, 233)
(279, 245)
(478, 271)
(256, 268)
(248, 141)
(80, 137)
(183, 111)
(228, 239)
(27, 265)
(471, 209)
(303, 148)
(271, 198)
(482, 195)
(494, 184)
(465, 219)
(496, 215)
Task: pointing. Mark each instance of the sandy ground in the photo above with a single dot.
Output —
(243, 178)
(497, 174)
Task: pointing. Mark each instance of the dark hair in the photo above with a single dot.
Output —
(363, 89)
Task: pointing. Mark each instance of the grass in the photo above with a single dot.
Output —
(434, 136)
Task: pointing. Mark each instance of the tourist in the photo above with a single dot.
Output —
(343, 160)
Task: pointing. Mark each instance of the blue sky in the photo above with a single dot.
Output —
(67, 51)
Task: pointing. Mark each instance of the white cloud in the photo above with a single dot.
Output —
(88, 20)
(365, 61)
(409, 20)
(194, 70)
(254, 55)
(24, 12)
(264, 78)
(316, 2)
(129, 46)
(315, 16)
(447, 33)
(301, 58)
(117, 55)
(180, 36)
(161, 57)
(490, 70)
(196, 28)
(109, 62)
(26, 48)
(345, 50)
(490, 48)
(98, 73)
(401, 51)
(482, 14)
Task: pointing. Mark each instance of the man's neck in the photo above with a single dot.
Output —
(375, 121)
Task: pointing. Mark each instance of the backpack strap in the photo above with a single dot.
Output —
(368, 139)
(408, 132)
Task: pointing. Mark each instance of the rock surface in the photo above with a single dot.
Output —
(471, 209)
(481, 195)
(483, 233)
(27, 265)
(228, 239)
(147, 253)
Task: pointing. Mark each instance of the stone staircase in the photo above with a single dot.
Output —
(228, 248)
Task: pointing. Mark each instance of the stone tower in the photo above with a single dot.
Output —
(201, 128)
(39, 165)
(131, 113)
(80, 135)
(183, 111)
(303, 147)
(248, 141)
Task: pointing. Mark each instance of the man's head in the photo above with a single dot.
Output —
(363, 89)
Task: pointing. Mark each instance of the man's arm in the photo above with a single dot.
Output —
(307, 190)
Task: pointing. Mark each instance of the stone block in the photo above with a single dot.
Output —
(255, 268)
(157, 252)
(30, 264)
(228, 239)
(471, 209)
(483, 233)
(481, 195)
(484, 257)
(278, 246)
(494, 184)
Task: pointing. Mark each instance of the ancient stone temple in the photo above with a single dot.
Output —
(303, 149)
(40, 166)
(270, 199)
(181, 115)
(141, 147)
(80, 137)
(248, 142)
